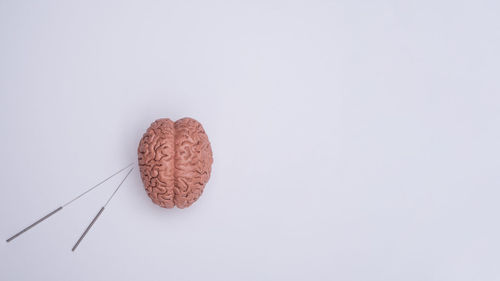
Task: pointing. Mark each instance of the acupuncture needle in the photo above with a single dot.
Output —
(100, 212)
(66, 204)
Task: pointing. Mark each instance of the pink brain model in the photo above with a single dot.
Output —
(175, 160)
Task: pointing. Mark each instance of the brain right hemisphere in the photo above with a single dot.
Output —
(175, 160)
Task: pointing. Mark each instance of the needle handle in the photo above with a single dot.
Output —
(87, 230)
(35, 223)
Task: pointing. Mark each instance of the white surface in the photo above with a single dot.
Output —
(352, 141)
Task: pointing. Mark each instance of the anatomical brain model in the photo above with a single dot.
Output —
(175, 160)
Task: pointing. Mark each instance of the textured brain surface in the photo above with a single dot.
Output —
(175, 160)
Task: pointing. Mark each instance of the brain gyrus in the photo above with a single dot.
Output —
(175, 160)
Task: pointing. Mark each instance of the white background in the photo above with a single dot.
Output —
(353, 140)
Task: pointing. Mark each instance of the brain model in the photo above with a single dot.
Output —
(175, 160)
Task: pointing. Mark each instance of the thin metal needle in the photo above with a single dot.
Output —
(66, 204)
(100, 212)
(92, 188)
